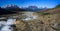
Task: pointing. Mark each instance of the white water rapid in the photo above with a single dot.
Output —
(6, 25)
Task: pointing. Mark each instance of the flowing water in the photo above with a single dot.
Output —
(6, 25)
(29, 16)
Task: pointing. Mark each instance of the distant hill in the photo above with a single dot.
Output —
(58, 6)
(10, 10)
(52, 10)
(34, 8)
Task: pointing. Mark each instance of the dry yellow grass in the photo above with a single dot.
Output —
(44, 22)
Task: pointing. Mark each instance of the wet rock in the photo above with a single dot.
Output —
(14, 26)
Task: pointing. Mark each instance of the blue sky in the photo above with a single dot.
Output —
(25, 3)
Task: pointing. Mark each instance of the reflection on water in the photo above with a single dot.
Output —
(6, 25)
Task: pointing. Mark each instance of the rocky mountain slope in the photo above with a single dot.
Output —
(48, 20)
